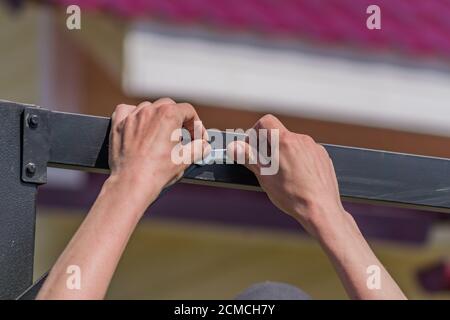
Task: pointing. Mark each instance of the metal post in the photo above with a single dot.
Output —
(17, 208)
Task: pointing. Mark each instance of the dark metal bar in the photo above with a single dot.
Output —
(81, 141)
(17, 207)
(392, 178)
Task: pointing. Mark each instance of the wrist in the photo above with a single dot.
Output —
(337, 229)
(328, 223)
(132, 189)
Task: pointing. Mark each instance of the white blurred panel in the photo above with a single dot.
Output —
(287, 81)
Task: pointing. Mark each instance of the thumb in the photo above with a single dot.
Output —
(243, 153)
(194, 151)
(197, 150)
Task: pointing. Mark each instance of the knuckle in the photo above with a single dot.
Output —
(267, 120)
(307, 139)
(167, 110)
(187, 105)
(121, 106)
(129, 120)
(286, 138)
(143, 114)
(284, 135)
(146, 111)
(166, 100)
(144, 104)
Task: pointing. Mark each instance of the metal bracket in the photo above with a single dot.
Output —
(35, 145)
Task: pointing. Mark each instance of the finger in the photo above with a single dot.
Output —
(270, 122)
(193, 151)
(196, 150)
(155, 104)
(191, 121)
(142, 105)
(242, 153)
(121, 112)
(162, 101)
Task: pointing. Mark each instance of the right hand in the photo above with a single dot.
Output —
(305, 186)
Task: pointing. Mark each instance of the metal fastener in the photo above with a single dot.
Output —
(33, 121)
(30, 168)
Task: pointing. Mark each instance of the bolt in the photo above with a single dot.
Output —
(33, 121)
(30, 168)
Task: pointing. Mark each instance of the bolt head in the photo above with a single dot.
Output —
(30, 168)
(33, 121)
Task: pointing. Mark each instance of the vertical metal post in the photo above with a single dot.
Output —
(17, 207)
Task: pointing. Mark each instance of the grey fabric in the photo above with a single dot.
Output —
(272, 291)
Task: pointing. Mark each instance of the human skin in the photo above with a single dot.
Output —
(141, 166)
(305, 187)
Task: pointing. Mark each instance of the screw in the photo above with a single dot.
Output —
(33, 121)
(30, 168)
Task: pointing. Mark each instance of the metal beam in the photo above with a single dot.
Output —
(81, 142)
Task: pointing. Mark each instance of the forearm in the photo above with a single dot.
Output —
(98, 244)
(355, 261)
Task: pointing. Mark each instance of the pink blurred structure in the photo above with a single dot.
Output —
(413, 27)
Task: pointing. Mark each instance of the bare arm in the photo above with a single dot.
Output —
(140, 162)
(306, 188)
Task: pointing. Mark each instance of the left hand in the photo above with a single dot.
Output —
(141, 145)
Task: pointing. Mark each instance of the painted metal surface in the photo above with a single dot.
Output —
(17, 208)
(81, 142)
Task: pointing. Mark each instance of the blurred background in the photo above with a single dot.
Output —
(313, 63)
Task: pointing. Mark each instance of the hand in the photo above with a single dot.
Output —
(305, 186)
(141, 146)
